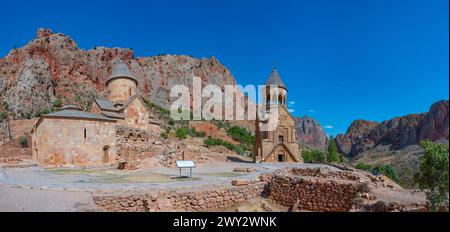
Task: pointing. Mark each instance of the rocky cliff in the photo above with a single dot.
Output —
(51, 67)
(310, 134)
(396, 133)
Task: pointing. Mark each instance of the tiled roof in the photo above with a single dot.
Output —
(105, 105)
(275, 79)
(77, 114)
(112, 115)
(70, 107)
(121, 70)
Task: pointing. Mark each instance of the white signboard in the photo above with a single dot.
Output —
(185, 164)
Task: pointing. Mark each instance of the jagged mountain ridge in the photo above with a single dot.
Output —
(397, 133)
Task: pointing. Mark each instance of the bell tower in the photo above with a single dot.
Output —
(275, 90)
(276, 144)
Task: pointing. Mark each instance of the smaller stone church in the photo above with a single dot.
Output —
(71, 137)
(279, 144)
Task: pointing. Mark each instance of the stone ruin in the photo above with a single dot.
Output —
(134, 146)
(316, 189)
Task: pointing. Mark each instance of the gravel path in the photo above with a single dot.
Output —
(33, 200)
(34, 189)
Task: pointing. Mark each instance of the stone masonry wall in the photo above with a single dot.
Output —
(314, 189)
(135, 146)
(180, 201)
(64, 142)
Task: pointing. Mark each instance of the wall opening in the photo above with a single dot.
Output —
(280, 139)
(106, 154)
(85, 133)
(281, 156)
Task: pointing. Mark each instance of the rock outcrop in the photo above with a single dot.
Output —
(310, 133)
(396, 133)
(52, 67)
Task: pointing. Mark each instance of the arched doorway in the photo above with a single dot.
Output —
(281, 156)
(106, 154)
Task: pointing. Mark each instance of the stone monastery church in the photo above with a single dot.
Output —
(72, 137)
(279, 144)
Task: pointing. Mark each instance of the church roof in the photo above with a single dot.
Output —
(70, 107)
(105, 105)
(121, 70)
(113, 115)
(275, 79)
(70, 113)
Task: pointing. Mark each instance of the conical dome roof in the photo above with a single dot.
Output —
(275, 79)
(121, 70)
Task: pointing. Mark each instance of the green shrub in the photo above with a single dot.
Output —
(313, 156)
(241, 135)
(28, 115)
(182, 132)
(42, 112)
(194, 133)
(3, 115)
(57, 103)
(23, 141)
(433, 174)
(219, 142)
(388, 171)
(164, 135)
(363, 166)
(5, 105)
(307, 156)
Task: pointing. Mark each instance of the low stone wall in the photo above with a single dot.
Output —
(180, 201)
(314, 189)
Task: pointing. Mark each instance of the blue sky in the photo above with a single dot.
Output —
(341, 60)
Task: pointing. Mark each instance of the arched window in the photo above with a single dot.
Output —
(268, 99)
(106, 154)
(280, 99)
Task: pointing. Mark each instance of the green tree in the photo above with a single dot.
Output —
(313, 156)
(433, 173)
(333, 156)
(307, 156)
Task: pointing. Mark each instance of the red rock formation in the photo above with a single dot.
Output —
(397, 133)
(310, 134)
(52, 66)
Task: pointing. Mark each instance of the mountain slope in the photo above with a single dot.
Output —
(397, 133)
(310, 133)
(51, 67)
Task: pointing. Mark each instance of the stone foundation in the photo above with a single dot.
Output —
(314, 189)
(319, 190)
(180, 201)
